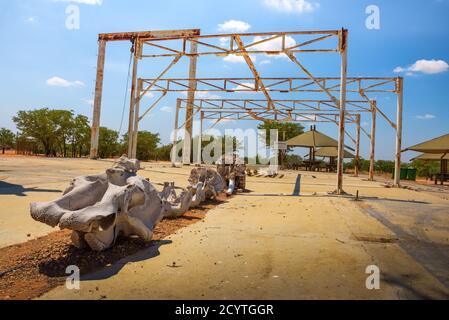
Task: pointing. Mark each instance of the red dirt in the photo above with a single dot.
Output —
(31, 269)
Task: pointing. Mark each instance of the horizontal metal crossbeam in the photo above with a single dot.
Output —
(359, 85)
(280, 105)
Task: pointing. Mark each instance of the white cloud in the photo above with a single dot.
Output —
(30, 19)
(237, 59)
(426, 117)
(245, 86)
(429, 66)
(292, 6)
(269, 45)
(88, 101)
(224, 41)
(234, 26)
(273, 45)
(89, 2)
(425, 66)
(203, 95)
(206, 95)
(60, 82)
(166, 109)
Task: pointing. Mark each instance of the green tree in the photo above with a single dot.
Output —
(384, 166)
(80, 136)
(163, 153)
(38, 124)
(108, 145)
(286, 130)
(64, 124)
(147, 144)
(7, 139)
(426, 168)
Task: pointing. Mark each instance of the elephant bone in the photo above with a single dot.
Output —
(99, 208)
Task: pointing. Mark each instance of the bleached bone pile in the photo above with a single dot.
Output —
(233, 170)
(100, 207)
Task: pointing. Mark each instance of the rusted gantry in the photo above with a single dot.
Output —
(191, 44)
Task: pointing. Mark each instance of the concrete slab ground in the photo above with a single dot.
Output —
(265, 244)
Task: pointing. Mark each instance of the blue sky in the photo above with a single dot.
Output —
(44, 64)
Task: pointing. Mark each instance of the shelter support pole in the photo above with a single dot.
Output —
(373, 143)
(357, 148)
(95, 131)
(397, 167)
(136, 119)
(174, 150)
(133, 98)
(341, 135)
(186, 150)
(200, 139)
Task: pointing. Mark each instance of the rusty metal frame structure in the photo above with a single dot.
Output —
(191, 44)
(306, 110)
(362, 87)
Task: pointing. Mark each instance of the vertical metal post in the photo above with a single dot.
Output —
(174, 151)
(95, 131)
(357, 147)
(397, 167)
(341, 135)
(186, 150)
(200, 139)
(136, 119)
(373, 142)
(133, 98)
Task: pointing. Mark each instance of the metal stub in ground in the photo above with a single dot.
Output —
(375, 238)
(357, 197)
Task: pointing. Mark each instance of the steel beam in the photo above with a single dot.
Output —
(136, 121)
(372, 157)
(341, 133)
(174, 152)
(186, 151)
(397, 167)
(149, 35)
(95, 130)
(357, 147)
(133, 97)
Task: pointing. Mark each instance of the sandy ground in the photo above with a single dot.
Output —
(266, 244)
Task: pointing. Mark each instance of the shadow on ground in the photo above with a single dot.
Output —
(107, 263)
(18, 189)
(111, 270)
(407, 291)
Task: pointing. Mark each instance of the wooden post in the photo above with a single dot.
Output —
(136, 119)
(95, 131)
(341, 134)
(373, 142)
(174, 150)
(310, 158)
(133, 98)
(357, 148)
(186, 150)
(397, 167)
